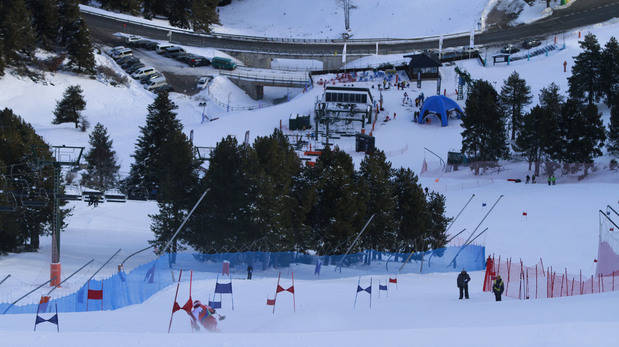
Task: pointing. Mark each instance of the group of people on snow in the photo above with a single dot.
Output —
(552, 180)
(463, 284)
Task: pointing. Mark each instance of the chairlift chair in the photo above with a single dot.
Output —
(37, 199)
(8, 202)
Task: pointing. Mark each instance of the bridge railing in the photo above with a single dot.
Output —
(352, 41)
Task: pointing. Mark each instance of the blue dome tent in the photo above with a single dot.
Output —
(439, 105)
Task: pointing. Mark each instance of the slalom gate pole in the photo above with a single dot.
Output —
(294, 301)
(175, 297)
(458, 215)
(279, 274)
(370, 293)
(178, 230)
(102, 266)
(6, 278)
(355, 241)
(25, 295)
(357, 292)
(76, 271)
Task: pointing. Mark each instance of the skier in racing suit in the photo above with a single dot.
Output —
(204, 315)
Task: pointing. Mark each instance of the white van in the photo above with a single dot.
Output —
(161, 48)
(143, 71)
(156, 84)
(132, 38)
(122, 53)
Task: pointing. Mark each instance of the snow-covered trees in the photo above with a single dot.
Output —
(515, 96)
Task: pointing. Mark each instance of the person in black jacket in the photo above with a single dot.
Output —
(250, 271)
(498, 288)
(463, 284)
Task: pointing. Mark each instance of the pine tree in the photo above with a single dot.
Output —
(226, 218)
(410, 211)
(539, 136)
(483, 138)
(179, 13)
(276, 206)
(613, 127)
(102, 169)
(335, 216)
(552, 102)
(164, 168)
(515, 95)
(583, 133)
(204, 14)
(609, 71)
(585, 80)
(376, 188)
(436, 236)
(70, 108)
(79, 49)
(21, 229)
(16, 30)
(69, 15)
(45, 18)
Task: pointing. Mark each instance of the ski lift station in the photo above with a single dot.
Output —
(350, 104)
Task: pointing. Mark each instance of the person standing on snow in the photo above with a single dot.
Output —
(463, 283)
(528, 179)
(498, 288)
(250, 271)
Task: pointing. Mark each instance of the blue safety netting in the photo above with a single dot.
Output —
(123, 289)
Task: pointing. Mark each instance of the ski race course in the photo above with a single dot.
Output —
(544, 240)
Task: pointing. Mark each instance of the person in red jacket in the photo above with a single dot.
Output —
(203, 315)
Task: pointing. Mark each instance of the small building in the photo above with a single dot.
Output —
(425, 63)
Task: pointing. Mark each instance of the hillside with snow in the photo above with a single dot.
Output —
(557, 223)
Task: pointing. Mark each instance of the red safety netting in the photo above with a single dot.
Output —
(534, 282)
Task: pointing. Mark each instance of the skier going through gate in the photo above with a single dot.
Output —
(498, 288)
(463, 283)
(205, 316)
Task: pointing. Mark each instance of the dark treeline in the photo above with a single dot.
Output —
(54, 25)
(198, 15)
(262, 197)
(23, 180)
(560, 132)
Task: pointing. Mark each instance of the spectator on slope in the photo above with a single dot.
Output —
(528, 179)
(533, 179)
(463, 283)
(549, 180)
(553, 179)
(250, 271)
(498, 288)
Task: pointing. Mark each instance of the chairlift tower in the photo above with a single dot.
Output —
(347, 15)
(62, 156)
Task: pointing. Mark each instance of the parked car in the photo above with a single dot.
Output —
(148, 44)
(528, 44)
(143, 71)
(148, 78)
(162, 47)
(171, 52)
(196, 60)
(203, 81)
(125, 52)
(113, 50)
(122, 60)
(129, 62)
(131, 38)
(223, 63)
(133, 68)
(156, 85)
(510, 49)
